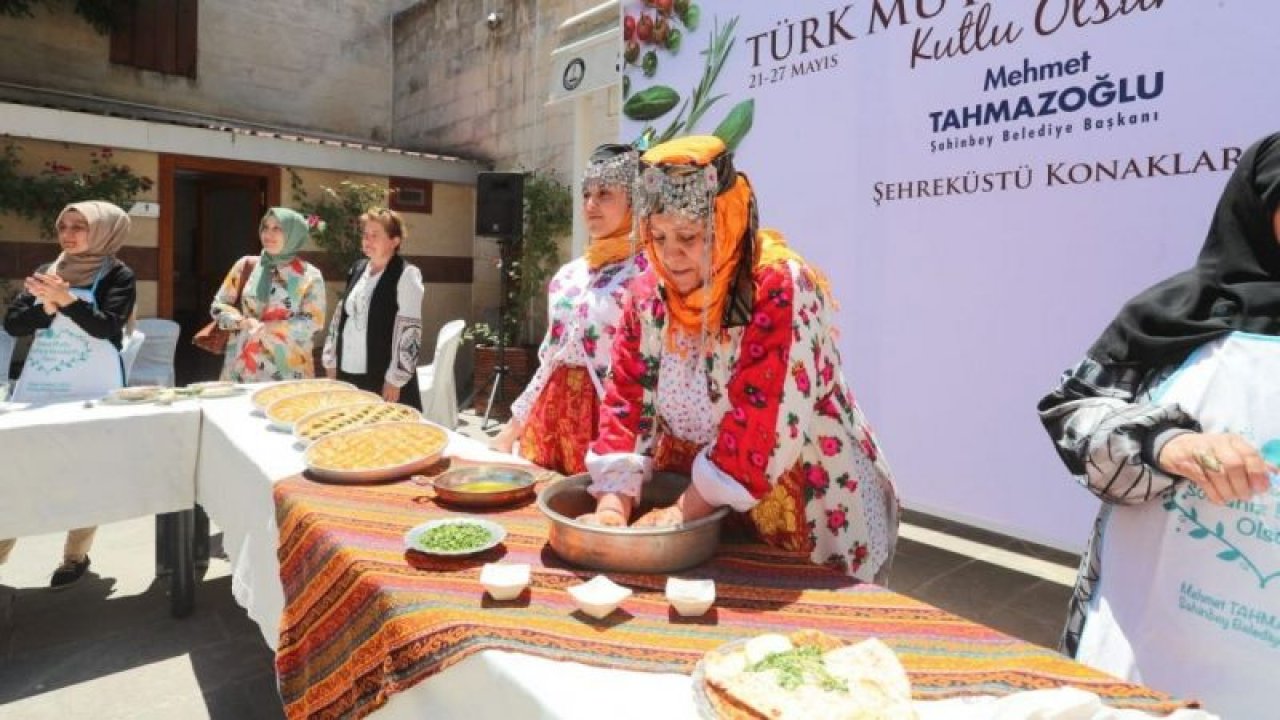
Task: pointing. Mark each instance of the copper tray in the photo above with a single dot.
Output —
(374, 473)
(448, 486)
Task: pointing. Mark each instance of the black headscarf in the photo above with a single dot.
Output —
(1235, 284)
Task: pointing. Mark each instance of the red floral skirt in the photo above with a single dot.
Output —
(562, 423)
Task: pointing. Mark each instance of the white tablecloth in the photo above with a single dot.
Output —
(66, 465)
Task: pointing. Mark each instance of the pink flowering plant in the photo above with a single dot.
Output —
(333, 215)
(41, 196)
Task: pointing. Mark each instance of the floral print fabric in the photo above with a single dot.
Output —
(294, 311)
(562, 422)
(783, 423)
(583, 308)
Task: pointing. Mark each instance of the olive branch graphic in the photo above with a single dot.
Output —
(1200, 531)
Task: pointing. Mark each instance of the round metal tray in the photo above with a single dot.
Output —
(262, 397)
(396, 413)
(324, 399)
(448, 486)
(625, 549)
(371, 474)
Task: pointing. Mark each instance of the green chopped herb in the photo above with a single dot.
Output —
(454, 537)
(794, 666)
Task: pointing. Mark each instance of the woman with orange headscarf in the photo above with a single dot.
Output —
(725, 367)
(554, 419)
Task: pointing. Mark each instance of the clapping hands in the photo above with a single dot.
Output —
(50, 290)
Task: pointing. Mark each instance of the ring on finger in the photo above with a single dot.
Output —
(1207, 461)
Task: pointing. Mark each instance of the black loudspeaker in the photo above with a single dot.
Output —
(500, 204)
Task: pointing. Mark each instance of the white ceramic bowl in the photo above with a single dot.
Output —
(505, 581)
(599, 596)
(691, 598)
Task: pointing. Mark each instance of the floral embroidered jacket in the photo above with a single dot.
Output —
(766, 402)
(583, 309)
(294, 311)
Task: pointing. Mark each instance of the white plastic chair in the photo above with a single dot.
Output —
(7, 343)
(129, 352)
(154, 363)
(435, 381)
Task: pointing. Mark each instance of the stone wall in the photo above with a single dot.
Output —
(463, 88)
(317, 65)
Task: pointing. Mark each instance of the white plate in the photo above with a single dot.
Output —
(215, 389)
(134, 395)
(112, 400)
(497, 534)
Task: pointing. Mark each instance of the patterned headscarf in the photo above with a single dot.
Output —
(295, 234)
(694, 177)
(108, 226)
(616, 166)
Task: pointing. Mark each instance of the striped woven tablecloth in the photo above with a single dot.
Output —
(364, 618)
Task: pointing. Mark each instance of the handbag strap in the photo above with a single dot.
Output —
(245, 272)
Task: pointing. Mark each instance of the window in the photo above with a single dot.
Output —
(157, 35)
(410, 195)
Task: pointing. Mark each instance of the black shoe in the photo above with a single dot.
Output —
(68, 573)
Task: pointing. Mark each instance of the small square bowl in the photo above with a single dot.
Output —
(691, 598)
(599, 596)
(505, 581)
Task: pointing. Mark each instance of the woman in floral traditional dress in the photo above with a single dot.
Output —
(725, 367)
(554, 419)
(276, 314)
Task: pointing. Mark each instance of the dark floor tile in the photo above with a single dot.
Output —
(973, 588)
(1045, 597)
(256, 699)
(915, 564)
(38, 669)
(1042, 552)
(232, 663)
(45, 620)
(1032, 625)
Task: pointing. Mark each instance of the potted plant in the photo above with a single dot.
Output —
(528, 265)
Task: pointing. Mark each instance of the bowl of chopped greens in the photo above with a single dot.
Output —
(454, 536)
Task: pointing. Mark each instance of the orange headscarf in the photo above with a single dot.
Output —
(734, 208)
(611, 248)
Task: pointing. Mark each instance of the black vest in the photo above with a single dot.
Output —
(384, 305)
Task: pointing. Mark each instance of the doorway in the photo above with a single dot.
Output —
(213, 211)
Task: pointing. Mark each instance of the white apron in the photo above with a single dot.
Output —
(66, 363)
(1189, 601)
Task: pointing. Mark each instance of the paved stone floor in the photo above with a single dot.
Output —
(107, 648)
